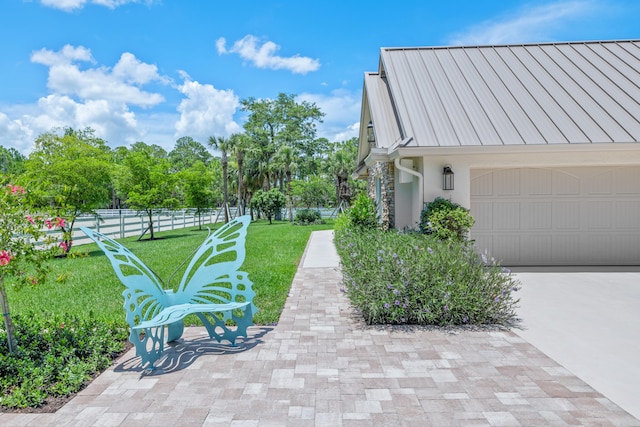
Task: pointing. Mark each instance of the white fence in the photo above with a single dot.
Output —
(117, 224)
(120, 223)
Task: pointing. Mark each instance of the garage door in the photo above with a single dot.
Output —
(559, 216)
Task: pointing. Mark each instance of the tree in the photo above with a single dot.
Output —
(199, 195)
(285, 159)
(268, 202)
(341, 163)
(186, 153)
(11, 161)
(146, 182)
(71, 172)
(283, 121)
(239, 144)
(152, 150)
(20, 260)
(315, 192)
(223, 144)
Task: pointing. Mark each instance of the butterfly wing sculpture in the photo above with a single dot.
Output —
(212, 287)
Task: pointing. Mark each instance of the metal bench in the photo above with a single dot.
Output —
(212, 288)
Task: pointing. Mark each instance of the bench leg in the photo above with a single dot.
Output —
(175, 330)
(220, 331)
(153, 335)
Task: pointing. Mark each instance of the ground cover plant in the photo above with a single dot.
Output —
(71, 326)
(56, 357)
(411, 278)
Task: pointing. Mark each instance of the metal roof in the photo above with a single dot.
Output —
(551, 93)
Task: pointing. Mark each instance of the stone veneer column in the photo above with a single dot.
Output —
(386, 172)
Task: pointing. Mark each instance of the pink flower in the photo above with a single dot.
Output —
(60, 222)
(17, 189)
(64, 246)
(30, 219)
(5, 258)
(48, 223)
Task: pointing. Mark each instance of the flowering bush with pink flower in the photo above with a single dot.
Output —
(24, 245)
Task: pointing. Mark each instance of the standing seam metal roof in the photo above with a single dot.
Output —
(553, 93)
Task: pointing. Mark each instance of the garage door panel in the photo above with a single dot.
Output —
(565, 184)
(536, 182)
(596, 248)
(600, 183)
(506, 215)
(596, 215)
(537, 248)
(506, 182)
(627, 215)
(482, 184)
(482, 212)
(630, 248)
(560, 216)
(566, 215)
(537, 215)
(625, 181)
(506, 247)
(566, 248)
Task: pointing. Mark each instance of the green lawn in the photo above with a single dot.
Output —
(87, 284)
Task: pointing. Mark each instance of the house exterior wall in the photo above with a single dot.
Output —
(463, 161)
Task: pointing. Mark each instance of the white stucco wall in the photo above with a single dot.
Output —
(462, 159)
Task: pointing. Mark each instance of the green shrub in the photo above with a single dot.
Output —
(270, 203)
(308, 216)
(445, 220)
(398, 278)
(362, 212)
(57, 356)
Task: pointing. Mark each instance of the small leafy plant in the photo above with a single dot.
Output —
(307, 216)
(446, 220)
(58, 356)
(362, 213)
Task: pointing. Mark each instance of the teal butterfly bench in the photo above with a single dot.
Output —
(212, 288)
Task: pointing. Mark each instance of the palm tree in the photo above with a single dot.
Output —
(239, 146)
(223, 144)
(340, 164)
(285, 160)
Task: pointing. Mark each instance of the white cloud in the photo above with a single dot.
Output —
(264, 56)
(15, 134)
(122, 84)
(206, 111)
(340, 106)
(115, 102)
(96, 96)
(533, 23)
(71, 5)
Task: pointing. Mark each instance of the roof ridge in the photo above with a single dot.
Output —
(554, 43)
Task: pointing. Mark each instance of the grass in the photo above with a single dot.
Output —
(87, 284)
(71, 327)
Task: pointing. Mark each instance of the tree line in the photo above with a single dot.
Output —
(277, 158)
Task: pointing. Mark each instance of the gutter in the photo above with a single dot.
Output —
(398, 166)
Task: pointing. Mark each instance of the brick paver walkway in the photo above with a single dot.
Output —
(322, 367)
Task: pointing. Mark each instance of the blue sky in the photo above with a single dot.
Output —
(157, 70)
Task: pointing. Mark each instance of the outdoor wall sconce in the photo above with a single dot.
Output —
(447, 178)
(371, 137)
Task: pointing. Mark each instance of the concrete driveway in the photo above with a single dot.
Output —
(588, 320)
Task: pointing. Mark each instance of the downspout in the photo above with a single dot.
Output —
(398, 166)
